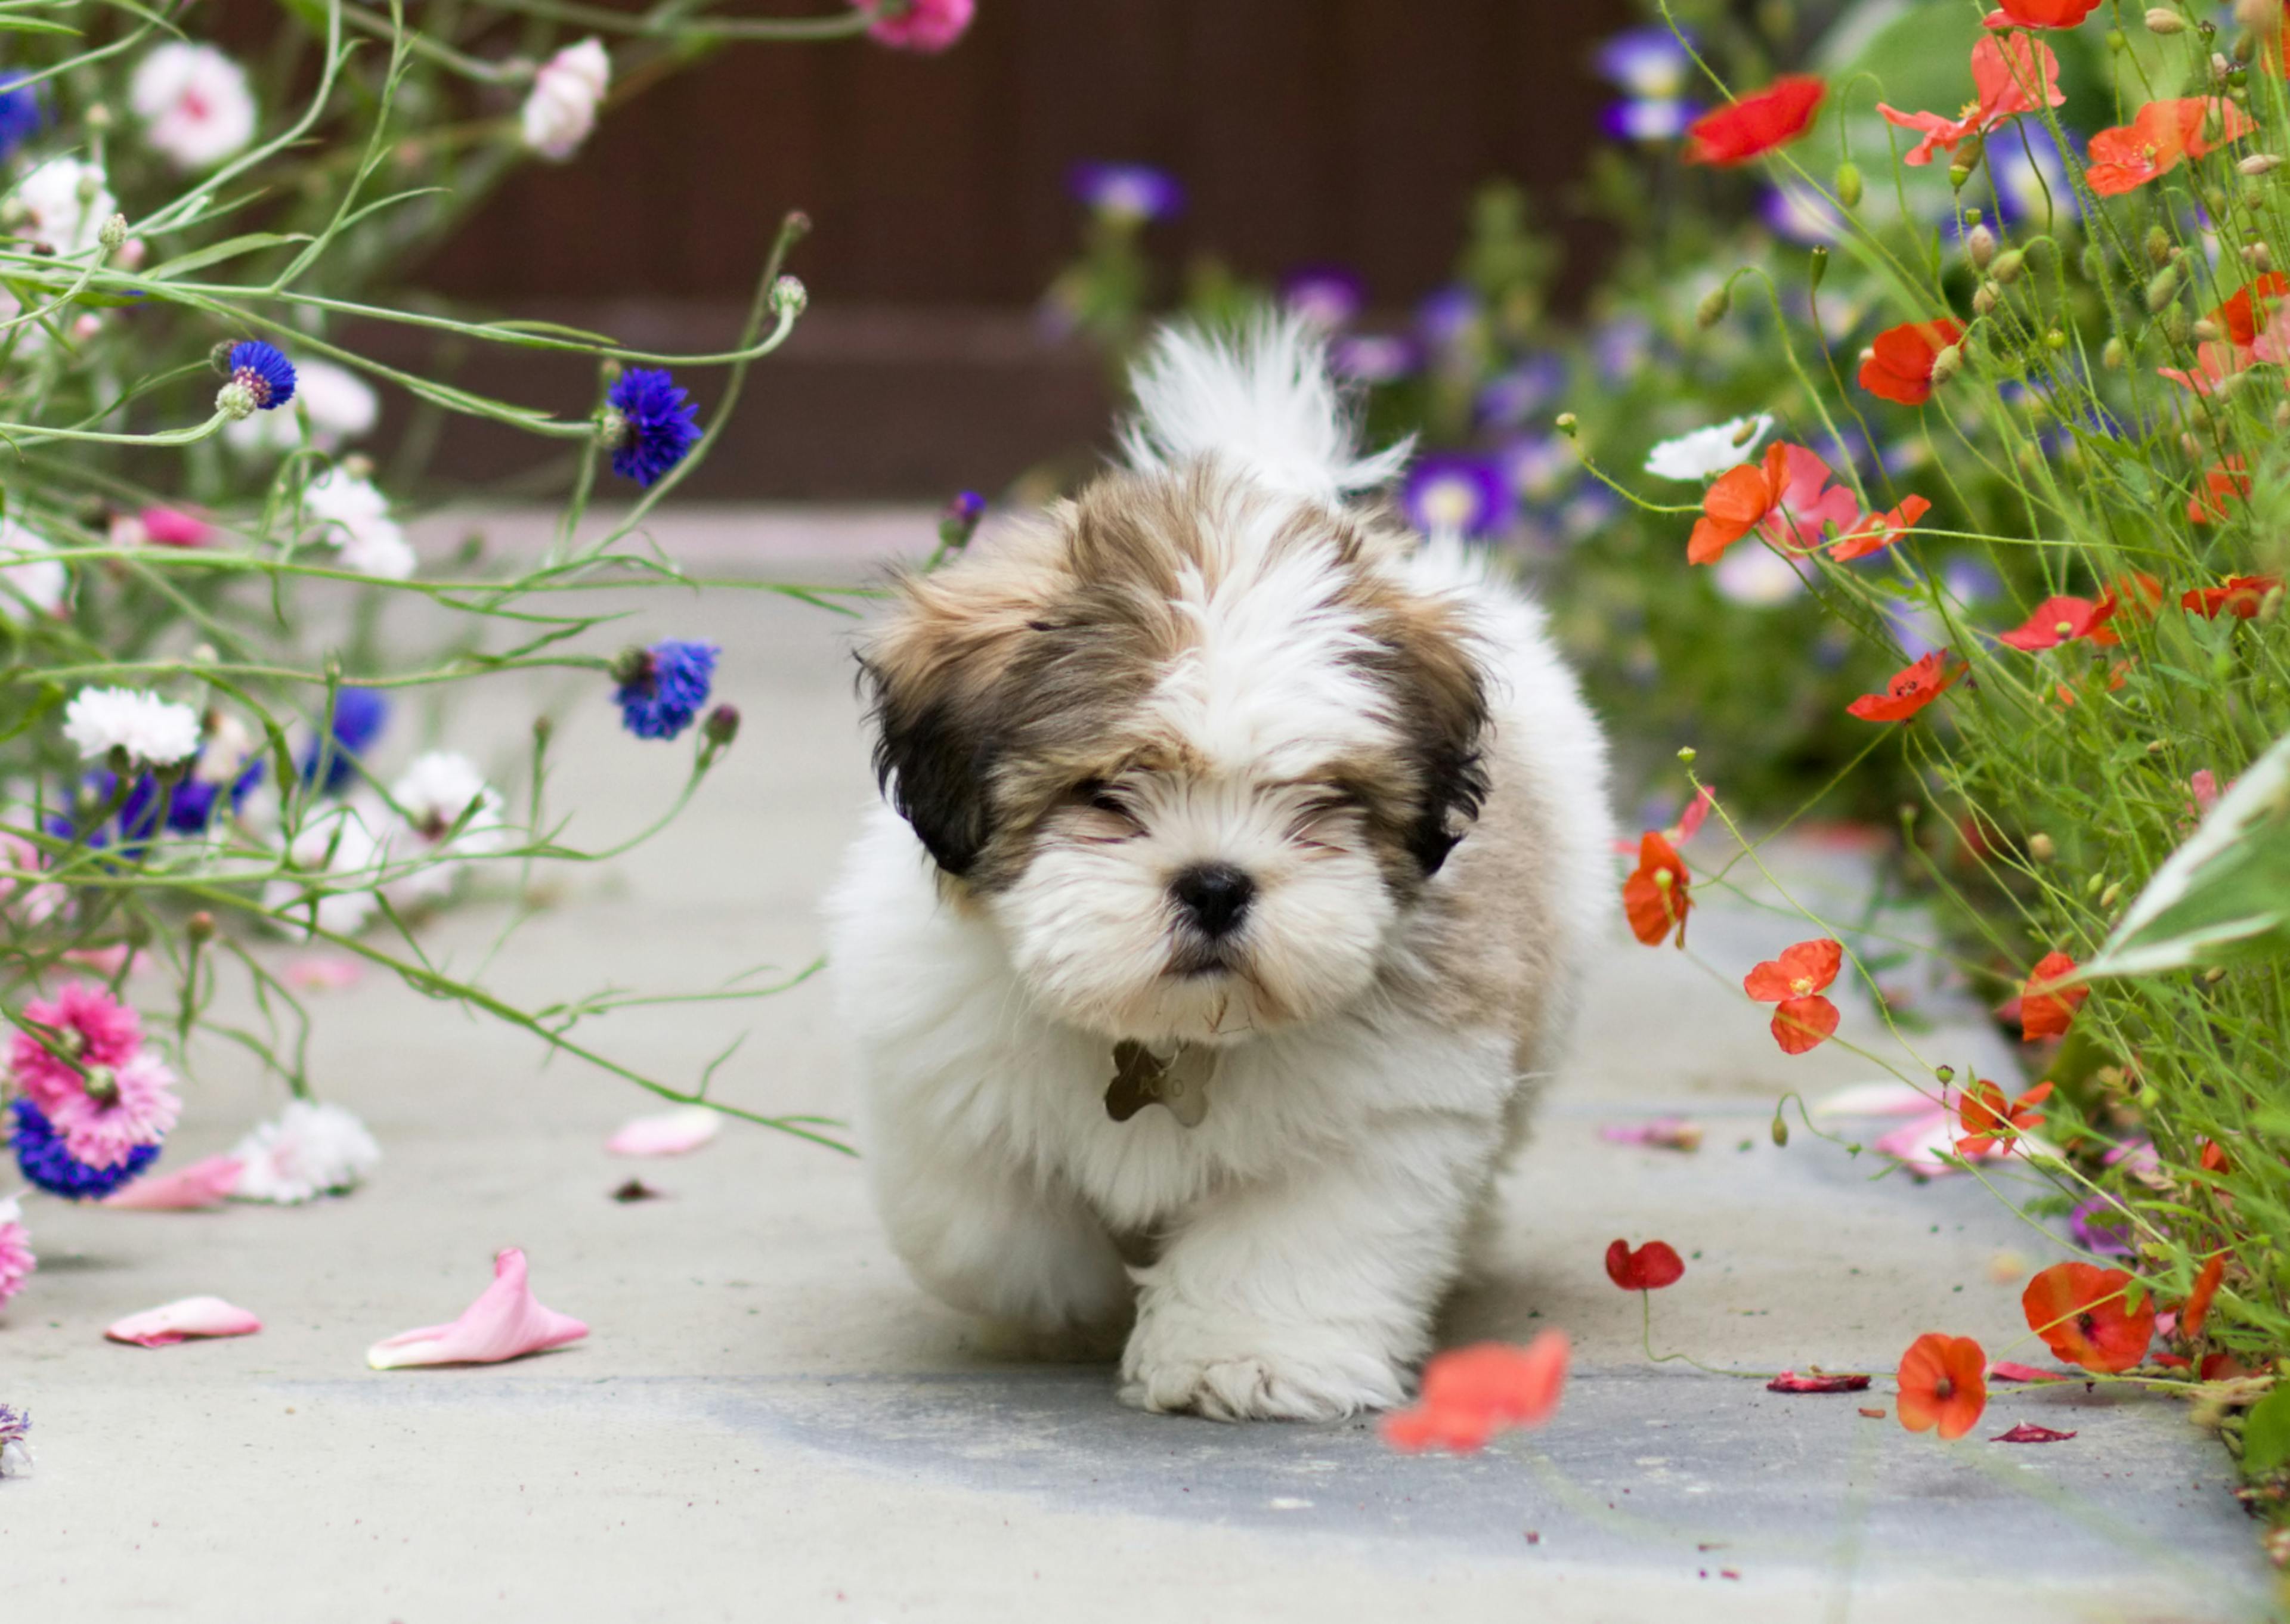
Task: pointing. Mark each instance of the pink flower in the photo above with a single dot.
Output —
(505, 1322)
(121, 1108)
(1807, 503)
(178, 1322)
(88, 1024)
(201, 1184)
(921, 25)
(172, 527)
(2203, 784)
(16, 1259)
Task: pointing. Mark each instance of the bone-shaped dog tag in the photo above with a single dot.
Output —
(1141, 1077)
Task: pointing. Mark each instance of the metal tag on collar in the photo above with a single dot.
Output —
(1179, 1080)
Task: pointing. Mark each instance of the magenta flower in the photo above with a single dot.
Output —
(918, 25)
(16, 1259)
(89, 1025)
(121, 1110)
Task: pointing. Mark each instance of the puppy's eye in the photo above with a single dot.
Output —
(1100, 796)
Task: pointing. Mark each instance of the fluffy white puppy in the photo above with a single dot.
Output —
(1241, 848)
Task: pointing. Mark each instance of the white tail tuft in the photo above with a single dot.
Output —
(1261, 400)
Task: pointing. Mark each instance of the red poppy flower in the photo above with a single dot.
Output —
(2064, 619)
(2078, 1309)
(2213, 1159)
(2224, 1367)
(2221, 481)
(1879, 531)
(2040, 14)
(1900, 362)
(1656, 896)
(2136, 596)
(1772, 118)
(1470, 1394)
(1787, 496)
(1988, 1119)
(2242, 596)
(2046, 1009)
(1649, 1269)
(2157, 139)
(2198, 1302)
(2245, 316)
(1795, 982)
(1943, 1384)
(2006, 76)
(1911, 689)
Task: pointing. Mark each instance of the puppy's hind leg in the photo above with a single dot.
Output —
(1002, 1242)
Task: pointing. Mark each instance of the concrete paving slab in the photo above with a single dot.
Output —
(769, 1421)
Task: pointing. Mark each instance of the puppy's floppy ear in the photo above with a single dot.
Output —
(930, 759)
(1442, 703)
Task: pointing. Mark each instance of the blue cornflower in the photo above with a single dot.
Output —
(1510, 397)
(1652, 68)
(664, 687)
(958, 520)
(1458, 495)
(137, 819)
(23, 115)
(193, 807)
(359, 716)
(653, 423)
(1445, 318)
(265, 371)
(1374, 358)
(1127, 191)
(42, 1156)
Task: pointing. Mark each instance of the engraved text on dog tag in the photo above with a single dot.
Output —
(1180, 1080)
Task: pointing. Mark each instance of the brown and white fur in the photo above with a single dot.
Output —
(1216, 662)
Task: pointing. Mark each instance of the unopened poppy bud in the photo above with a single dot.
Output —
(2156, 747)
(2269, 606)
(200, 927)
(2282, 416)
(2094, 263)
(2261, 257)
(1984, 298)
(2040, 847)
(2091, 886)
(2007, 267)
(721, 725)
(2115, 41)
(1818, 268)
(1780, 1129)
(2158, 246)
(2261, 17)
(1946, 1074)
(2211, 978)
(2258, 164)
(2162, 288)
(1966, 160)
(1713, 307)
(1980, 247)
(1848, 184)
(1946, 363)
(2055, 340)
(2204, 331)
(2191, 446)
(2160, 20)
(1566, 423)
(2176, 328)
(2113, 894)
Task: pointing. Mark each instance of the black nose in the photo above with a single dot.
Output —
(1215, 895)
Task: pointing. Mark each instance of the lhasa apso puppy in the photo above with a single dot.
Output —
(1240, 852)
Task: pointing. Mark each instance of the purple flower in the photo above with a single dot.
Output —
(2029, 180)
(1327, 296)
(662, 688)
(1127, 191)
(1649, 64)
(958, 520)
(1374, 358)
(1445, 318)
(2102, 1225)
(1800, 214)
(1538, 465)
(1510, 397)
(1621, 347)
(1649, 121)
(1455, 493)
(652, 424)
(264, 371)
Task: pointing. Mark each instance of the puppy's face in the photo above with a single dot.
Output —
(1195, 750)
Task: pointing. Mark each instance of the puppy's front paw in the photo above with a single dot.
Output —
(1237, 1370)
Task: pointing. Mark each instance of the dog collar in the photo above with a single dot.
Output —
(1179, 1079)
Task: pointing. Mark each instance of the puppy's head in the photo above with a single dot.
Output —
(1195, 748)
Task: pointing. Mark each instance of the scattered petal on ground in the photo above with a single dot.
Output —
(669, 1133)
(2008, 1370)
(176, 1322)
(505, 1322)
(1470, 1394)
(201, 1184)
(1663, 1133)
(322, 972)
(2028, 1432)
(1789, 1382)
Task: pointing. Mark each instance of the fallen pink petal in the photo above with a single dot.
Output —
(505, 1322)
(2006, 1369)
(2028, 1432)
(322, 972)
(107, 962)
(201, 1184)
(1662, 1133)
(179, 1322)
(669, 1133)
(1789, 1382)
(1878, 1099)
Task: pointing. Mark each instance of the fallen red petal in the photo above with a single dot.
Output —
(2028, 1432)
(1789, 1382)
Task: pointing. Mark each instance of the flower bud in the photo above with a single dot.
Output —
(235, 400)
(2162, 21)
(1946, 363)
(200, 927)
(1848, 184)
(2158, 246)
(1713, 307)
(99, 117)
(1946, 1074)
(789, 296)
(1984, 298)
(219, 357)
(2007, 267)
(2040, 847)
(721, 725)
(2258, 164)
(1980, 247)
(1817, 267)
(2210, 978)
(1566, 423)
(2162, 288)
(2109, 897)
(2190, 446)
(2261, 257)
(1967, 157)
(2094, 263)
(2115, 41)
(1686, 753)
(2055, 341)
(2220, 68)
(1780, 1129)
(2204, 331)
(2282, 416)
(544, 729)
(113, 234)
(2263, 18)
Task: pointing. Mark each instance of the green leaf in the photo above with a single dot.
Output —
(2266, 1435)
(34, 25)
(214, 253)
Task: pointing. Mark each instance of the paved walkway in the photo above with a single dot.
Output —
(770, 1422)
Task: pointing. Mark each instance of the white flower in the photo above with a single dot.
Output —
(431, 795)
(339, 843)
(66, 203)
(194, 103)
(229, 745)
(1756, 576)
(156, 731)
(312, 1150)
(1707, 453)
(341, 405)
(32, 579)
(355, 517)
(562, 108)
